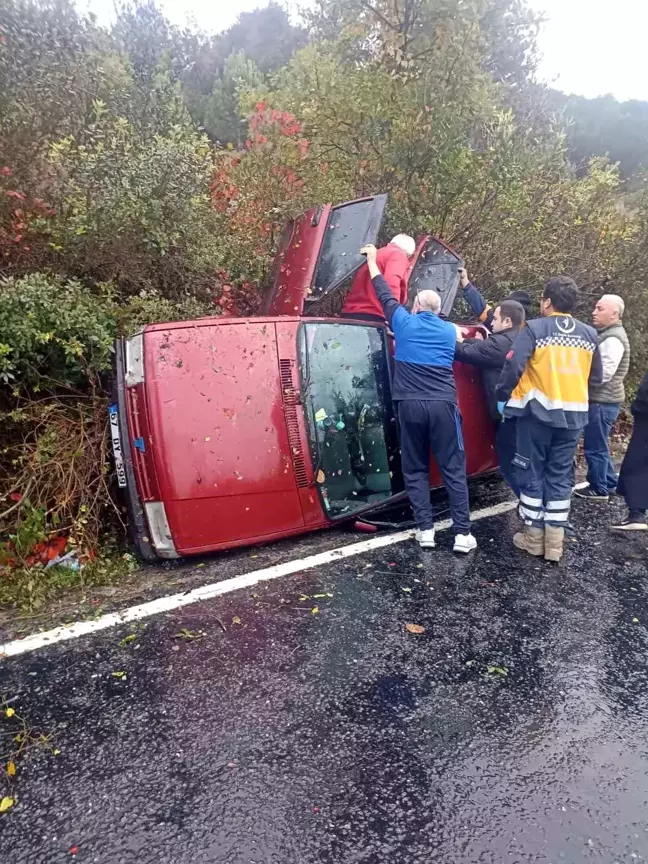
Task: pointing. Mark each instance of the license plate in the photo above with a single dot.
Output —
(116, 446)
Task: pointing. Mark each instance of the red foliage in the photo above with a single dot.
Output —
(281, 121)
(256, 190)
(236, 300)
(17, 223)
(222, 190)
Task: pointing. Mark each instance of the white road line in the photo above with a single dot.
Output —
(245, 580)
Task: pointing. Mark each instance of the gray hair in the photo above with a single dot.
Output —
(404, 242)
(429, 301)
(616, 301)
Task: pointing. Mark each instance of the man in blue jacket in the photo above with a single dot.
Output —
(424, 391)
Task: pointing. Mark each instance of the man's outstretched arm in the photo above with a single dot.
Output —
(478, 305)
(393, 311)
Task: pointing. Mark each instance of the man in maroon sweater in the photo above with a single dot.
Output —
(392, 260)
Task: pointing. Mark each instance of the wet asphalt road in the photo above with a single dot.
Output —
(513, 729)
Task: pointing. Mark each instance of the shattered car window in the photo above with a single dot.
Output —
(436, 268)
(346, 386)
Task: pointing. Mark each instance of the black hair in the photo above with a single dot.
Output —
(563, 293)
(513, 310)
(523, 298)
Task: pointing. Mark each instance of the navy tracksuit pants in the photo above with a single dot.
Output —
(436, 426)
(544, 462)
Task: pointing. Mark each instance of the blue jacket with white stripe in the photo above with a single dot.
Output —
(425, 347)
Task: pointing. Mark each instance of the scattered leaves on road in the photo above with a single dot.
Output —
(128, 639)
(415, 628)
(236, 620)
(18, 738)
(406, 590)
(315, 610)
(497, 670)
(190, 634)
(118, 674)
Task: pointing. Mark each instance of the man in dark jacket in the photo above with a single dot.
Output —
(425, 395)
(489, 355)
(633, 478)
(480, 308)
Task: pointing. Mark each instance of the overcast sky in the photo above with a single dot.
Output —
(590, 47)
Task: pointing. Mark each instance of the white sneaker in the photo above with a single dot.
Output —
(464, 543)
(425, 539)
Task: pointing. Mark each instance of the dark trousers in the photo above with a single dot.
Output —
(505, 444)
(434, 426)
(544, 466)
(633, 477)
(601, 475)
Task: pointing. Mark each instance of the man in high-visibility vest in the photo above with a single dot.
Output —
(544, 385)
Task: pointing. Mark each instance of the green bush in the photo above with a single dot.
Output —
(54, 333)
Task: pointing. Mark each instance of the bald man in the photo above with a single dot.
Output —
(425, 395)
(605, 398)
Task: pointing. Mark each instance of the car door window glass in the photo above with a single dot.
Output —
(350, 226)
(436, 269)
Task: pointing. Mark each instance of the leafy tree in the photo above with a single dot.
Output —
(53, 65)
(501, 34)
(265, 35)
(219, 112)
(134, 210)
(605, 126)
(259, 43)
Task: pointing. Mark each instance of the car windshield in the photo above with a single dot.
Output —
(351, 423)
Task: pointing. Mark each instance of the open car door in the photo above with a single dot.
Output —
(320, 252)
(434, 266)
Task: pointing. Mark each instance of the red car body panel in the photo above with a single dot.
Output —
(296, 263)
(217, 431)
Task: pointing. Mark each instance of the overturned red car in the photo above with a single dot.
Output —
(234, 431)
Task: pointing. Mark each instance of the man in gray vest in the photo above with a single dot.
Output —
(605, 398)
